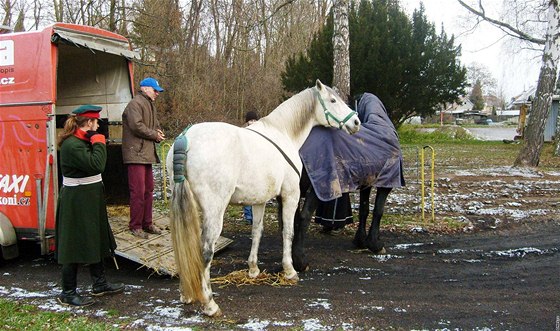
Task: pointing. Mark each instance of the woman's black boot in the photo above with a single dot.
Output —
(69, 295)
(100, 285)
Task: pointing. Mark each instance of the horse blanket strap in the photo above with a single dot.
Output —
(68, 181)
(280, 150)
(179, 157)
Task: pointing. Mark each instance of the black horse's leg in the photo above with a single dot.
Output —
(363, 213)
(302, 219)
(373, 243)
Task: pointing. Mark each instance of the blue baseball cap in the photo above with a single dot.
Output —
(151, 82)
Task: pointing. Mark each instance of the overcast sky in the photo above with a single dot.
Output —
(514, 70)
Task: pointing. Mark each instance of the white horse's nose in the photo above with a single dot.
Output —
(353, 125)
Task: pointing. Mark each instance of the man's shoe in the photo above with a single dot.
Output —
(139, 233)
(152, 230)
(107, 288)
(72, 298)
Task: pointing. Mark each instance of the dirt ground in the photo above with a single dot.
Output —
(498, 270)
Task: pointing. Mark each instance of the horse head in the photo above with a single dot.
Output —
(332, 111)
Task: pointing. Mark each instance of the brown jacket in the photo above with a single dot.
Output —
(140, 126)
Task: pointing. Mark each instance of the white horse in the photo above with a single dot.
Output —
(215, 164)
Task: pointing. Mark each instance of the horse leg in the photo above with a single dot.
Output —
(301, 225)
(373, 243)
(212, 227)
(363, 213)
(289, 207)
(258, 214)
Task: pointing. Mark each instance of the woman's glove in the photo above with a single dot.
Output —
(95, 137)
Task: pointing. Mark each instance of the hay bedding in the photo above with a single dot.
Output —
(241, 277)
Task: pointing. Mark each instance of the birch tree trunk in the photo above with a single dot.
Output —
(341, 53)
(534, 139)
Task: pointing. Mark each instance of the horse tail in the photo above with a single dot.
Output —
(186, 229)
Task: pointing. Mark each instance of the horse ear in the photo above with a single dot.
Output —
(318, 84)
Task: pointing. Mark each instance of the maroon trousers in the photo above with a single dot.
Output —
(141, 187)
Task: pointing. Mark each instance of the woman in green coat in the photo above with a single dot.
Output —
(83, 234)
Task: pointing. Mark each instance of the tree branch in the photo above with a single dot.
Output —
(510, 30)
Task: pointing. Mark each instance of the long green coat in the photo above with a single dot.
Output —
(83, 234)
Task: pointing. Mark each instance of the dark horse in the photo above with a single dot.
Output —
(335, 165)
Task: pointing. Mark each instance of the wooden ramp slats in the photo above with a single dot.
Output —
(156, 252)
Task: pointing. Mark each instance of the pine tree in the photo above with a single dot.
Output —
(476, 96)
(404, 62)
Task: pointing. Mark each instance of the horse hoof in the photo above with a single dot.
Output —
(212, 309)
(254, 273)
(359, 244)
(292, 278)
(382, 251)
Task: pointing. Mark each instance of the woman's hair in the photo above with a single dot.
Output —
(72, 123)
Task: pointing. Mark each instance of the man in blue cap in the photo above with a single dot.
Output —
(141, 132)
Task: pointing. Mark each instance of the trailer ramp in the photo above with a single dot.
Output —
(156, 252)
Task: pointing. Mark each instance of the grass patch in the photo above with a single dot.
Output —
(18, 316)
(409, 134)
(397, 222)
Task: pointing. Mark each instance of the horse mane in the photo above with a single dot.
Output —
(294, 114)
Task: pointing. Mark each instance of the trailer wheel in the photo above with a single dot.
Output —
(8, 239)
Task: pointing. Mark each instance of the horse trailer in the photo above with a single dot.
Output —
(44, 75)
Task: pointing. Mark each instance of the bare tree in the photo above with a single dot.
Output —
(479, 72)
(532, 145)
(7, 6)
(341, 48)
(216, 59)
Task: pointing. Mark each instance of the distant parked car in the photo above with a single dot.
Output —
(484, 121)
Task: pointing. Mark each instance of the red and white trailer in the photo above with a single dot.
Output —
(44, 75)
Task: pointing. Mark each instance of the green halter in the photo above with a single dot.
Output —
(329, 114)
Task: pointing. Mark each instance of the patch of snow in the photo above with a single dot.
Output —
(386, 257)
(281, 323)
(517, 252)
(171, 312)
(407, 246)
(255, 325)
(450, 251)
(323, 303)
(347, 326)
(314, 325)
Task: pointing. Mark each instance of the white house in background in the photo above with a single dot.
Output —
(458, 109)
(525, 98)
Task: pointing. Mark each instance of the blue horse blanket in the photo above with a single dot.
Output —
(337, 162)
